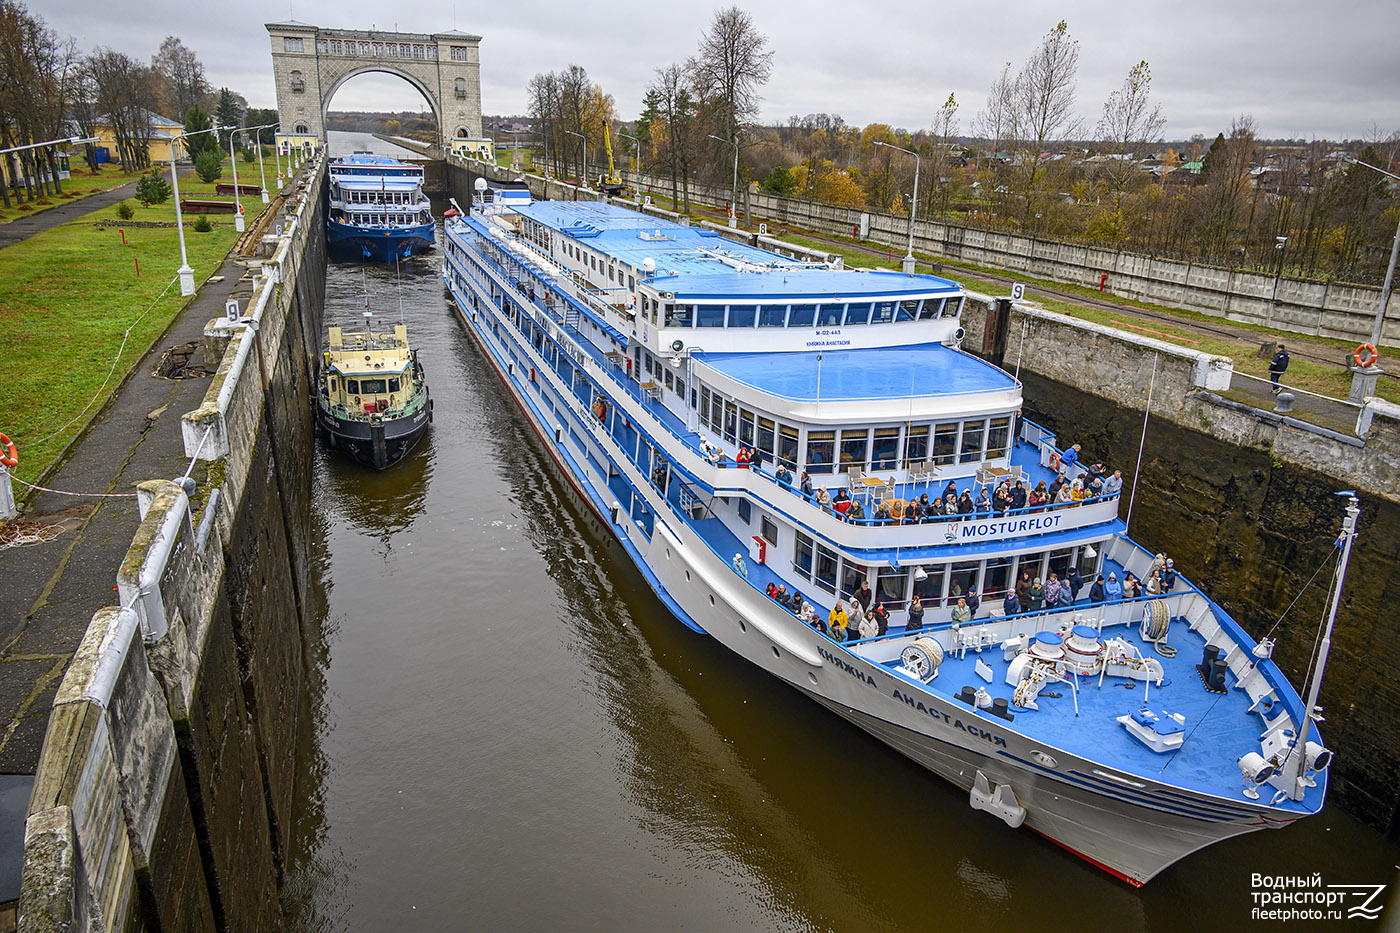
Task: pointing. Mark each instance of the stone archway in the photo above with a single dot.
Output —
(310, 63)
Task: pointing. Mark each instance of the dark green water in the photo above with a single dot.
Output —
(506, 730)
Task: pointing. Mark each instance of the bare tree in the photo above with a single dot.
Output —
(124, 98)
(1130, 122)
(1044, 109)
(1227, 168)
(732, 63)
(182, 75)
(943, 157)
(674, 131)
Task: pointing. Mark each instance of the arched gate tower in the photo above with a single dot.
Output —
(310, 64)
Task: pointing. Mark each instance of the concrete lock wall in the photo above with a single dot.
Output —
(164, 791)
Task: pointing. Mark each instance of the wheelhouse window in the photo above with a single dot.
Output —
(858, 313)
(932, 308)
(821, 447)
(709, 315)
(742, 315)
(372, 386)
(884, 312)
(908, 310)
(802, 316)
(772, 316)
(830, 315)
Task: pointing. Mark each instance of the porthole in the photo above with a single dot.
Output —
(687, 576)
(1043, 758)
(812, 677)
(776, 652)
(742, 626)
(712, 599)
(668, 553)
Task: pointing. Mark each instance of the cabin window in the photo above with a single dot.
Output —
(945, 439)
(884, 454)
(331, 383)
(709, 315)
(680, 390)
(746, 427)
(996, 578)
(678, 316)
(765, 436)
(932, 308)
(964, 576)
(802, 555)
(858, 313)
(769, 529)
(787, 446)
(802, 316)
(670, 380)
(716, 420)
(826, 569)
(731, 421)
(772, 315)
(884, 312)
(930, 588)
(972, 440)
(745, 511)
(908, 310)
(851, 575)
(705, 403)
(371, 386)
(890, 584)
(915, 444)
(830, 315)
(352, 386)
(821, 447)
(741, 315)
(854, 446)
(997, 438)
(1060, 561)
(1031, 564)
(393, 385)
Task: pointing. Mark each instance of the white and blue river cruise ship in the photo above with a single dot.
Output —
(377, 208)
(646, 354)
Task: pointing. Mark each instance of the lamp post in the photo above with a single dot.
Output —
(734, 183)
(257, 140)
(637, 161)
(585, 159)
(1363, 379)
(185, 273)
(237, 199)
(70, 140)
(913, 205)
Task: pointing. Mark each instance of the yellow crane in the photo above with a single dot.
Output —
(611, 183)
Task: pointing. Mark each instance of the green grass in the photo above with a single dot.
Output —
(80, 184)
(69, 296)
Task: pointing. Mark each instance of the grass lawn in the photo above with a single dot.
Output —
(80, 184)
(70, 295)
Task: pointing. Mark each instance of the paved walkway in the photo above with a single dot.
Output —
(22, 228)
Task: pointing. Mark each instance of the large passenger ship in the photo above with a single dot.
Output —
(377, 208)
(691, 388)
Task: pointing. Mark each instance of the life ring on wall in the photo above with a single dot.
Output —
(1371, 356)
(10, 458)
(1055, 462)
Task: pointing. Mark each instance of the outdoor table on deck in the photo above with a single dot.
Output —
(652, 389)
(990, 476)
(872, 483)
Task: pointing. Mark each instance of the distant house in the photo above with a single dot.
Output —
(163, 134)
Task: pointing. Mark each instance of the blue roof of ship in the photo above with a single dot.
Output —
(682, 267)
(927, 369)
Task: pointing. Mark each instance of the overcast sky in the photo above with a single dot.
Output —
(1326, 70)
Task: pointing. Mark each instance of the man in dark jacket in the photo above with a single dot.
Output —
(1278, 367)
(1096, 592)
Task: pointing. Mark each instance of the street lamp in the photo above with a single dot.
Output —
(913, 204)
(257, 140)
(585, 157)
(237, 198)
(185, 273)
(734, 184)
(636, 167)
(1389, 276)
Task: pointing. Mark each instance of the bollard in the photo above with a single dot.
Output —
(1284, 402)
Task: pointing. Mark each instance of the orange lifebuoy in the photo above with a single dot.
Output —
(1055, 462)
(10, 458)
(1371, 355)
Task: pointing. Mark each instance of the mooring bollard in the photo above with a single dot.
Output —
(1284, 402)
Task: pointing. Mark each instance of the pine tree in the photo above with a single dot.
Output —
(228, 113)
(195, 120)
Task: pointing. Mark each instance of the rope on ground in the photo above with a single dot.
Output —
(61, 492)
(115, 360)
(40, 535)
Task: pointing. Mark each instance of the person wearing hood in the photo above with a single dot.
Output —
(1035, 597)
(836, 622)
(869, 628)
(1096, 592)
(740, 567)
(916, 616)
(1052, 591)
(1011, 605)
(965, 503)
(856, 512)
(1113, 590)
(1066, 599)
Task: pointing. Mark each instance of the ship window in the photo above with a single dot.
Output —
(908, 310)
(670, 380)
(371, 386)
(772, 315)
(930, 588)
(858, 313)
(916, 444)
(945, 439)
(704, 403)
(996, 578)
(352, 386)
(769, 529)
(746, 427)
(787, 446)
(745, 511)
(765, 436)
(933, 308)
(953, 307)
(741, 315)
(853, 447)
(1060, 560)
(830, 315)
(680, 390)
(820, 448)
(826, 569)
(851, 575)
(890, 584)
(1031, 564)
(964, 576)
(394, 385)
(972, 440)
(716, 420)
(709, 315)
(680, 317)
(884, 455)
(802, 316)
(731, 421)
(802, 556)
(997, 438)
(884, 312)
(331, 383)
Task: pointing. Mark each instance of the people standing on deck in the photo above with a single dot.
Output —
(1023, 588)
(1168, 577)
(965, 505)
(1158, 562)
(805, 612)
(936, 510)
(1011, 605)
(1070, 457)
(1113, 590)
(1001, 499)
(783, 477)
(1096, 592)
(742, 457)
(1132, 588)
(1039, 496)
(984, 501)
(923, 509)
(1277, 367)
(740, 567)
(836, 621)
(806, 484)
(961, 613)
(1077, 492)
(1075, 583)
(868, 627)
(864, 595)
(1064, 495)
(1066, 598)
(881, 616)
(1153, 587)
(1035, 596)
(1018, 495)
(915, 622)
(823, 497)
(974, 602)
(1053, 491)
(1052, 591)
(1113, 485)
(856, 512)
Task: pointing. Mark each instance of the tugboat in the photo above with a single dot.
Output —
(372, 396)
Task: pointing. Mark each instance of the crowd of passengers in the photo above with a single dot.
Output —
(1010, 495)
(863, 615)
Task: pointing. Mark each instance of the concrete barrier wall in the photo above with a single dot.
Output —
(163, 794)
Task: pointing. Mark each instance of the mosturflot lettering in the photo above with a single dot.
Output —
(1010, 527)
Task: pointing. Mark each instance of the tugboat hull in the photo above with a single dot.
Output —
(376, 443)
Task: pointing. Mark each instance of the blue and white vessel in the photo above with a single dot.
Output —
(377, 208)
(645, 354)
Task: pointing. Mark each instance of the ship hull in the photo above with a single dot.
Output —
(377, 444)
(378, 244)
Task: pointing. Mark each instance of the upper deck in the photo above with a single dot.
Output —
(363, 167)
